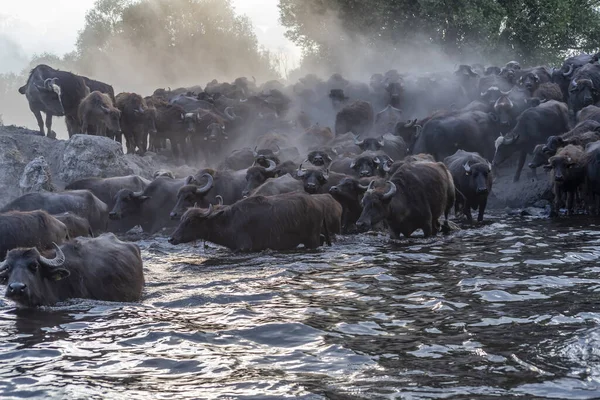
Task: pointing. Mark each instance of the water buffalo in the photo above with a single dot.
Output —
(80, 202)
(583, 133)
(102, 268)
(568, 175)
(30, 229)
(244, 158)
(137, 121)
(413, 158)
(170, 124)
(534, 126)
(280, 222)
(589, 113)
(563, 76)
(107, 188)
(148, 208)
(367, 164)
(208, 133)
(386, 120)
(470, 131)
(356, 117)
(107, 89)
(414, 198)
(257, 175)
(76, 225)
(227, 184)
(317, 180)
(394, 146)
(548, 91)
(96, 110)
(539, 158)
(532, 78)
(55, 93)
(283, 184)
(584, 89)
(319, 158)
(472, 175)
(591, 163)
(348, 192)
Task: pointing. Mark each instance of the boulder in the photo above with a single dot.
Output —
(36, 177)
(88, 156)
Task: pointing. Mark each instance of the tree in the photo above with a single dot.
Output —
(531, 31)
(158, 42)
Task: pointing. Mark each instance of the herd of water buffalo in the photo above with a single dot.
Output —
(404, 150)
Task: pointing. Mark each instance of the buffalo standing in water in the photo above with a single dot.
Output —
(102, 268)
(414, 198)
(472, 176)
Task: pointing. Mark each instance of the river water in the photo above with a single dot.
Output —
(508, 309)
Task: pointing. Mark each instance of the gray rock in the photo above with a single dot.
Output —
(36, 177)
(93, 156)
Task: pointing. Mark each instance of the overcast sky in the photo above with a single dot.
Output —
(34, 26)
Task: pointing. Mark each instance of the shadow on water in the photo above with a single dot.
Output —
(507, 309)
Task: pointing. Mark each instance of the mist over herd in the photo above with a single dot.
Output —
(280, 165)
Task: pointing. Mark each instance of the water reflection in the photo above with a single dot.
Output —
(508, 309)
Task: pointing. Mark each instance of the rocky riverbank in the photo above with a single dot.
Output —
(31, 162)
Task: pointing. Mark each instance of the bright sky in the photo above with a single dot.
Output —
(34, 26)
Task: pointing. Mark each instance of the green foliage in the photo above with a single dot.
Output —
(530, 31)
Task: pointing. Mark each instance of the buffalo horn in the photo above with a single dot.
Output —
(467, 167)
(352, 164)
(326, 174)
(105, 109)
(300, 172)
(3, 266)
(381, 142)
(276, 153)
(328, 158)
(358, 142)
(208, 212)
(569, 71)
(504, 93)
(255, 152)
(574, 83)
(229, 113)
(390, 192)
(208, 186)
(271, 166)
(376, 160)
(370, 187)
(363, 187)
(57, 261)
(410, 123)
(219, 199)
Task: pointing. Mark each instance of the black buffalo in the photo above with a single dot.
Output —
(394, 146)
(534, 126)
(348, 192)
(257, 175)
(148, 208)
(584, 89)
(102, 268)
(280, 222)
(55, 93)
(80, 202)
(30, 229)
(568, 175)
(414, 198)
(472, 175)
(318, 180)
(469, 131)
(76, 225)
(282, 184)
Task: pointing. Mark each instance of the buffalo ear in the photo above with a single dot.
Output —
(189, 180)
(144, 198)
(493, 116)
(57, 274)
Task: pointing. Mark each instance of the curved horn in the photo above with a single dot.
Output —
(219, 199)
(3, 266)
(57, 261)
(300, 172)
(255, 152)
(390, 192)
(104, 108)
(410, 123)
(326, 174)
(208, 186)
(467, 167)
(363, 187)
(207, 213)
(505, 93)
(574, 83)
(328, 158)
(570, 71)
(370, 187)
(229, 113)
(381, 142)
(509, 139)
(387, 166)
(276, 153)
(271, 166)
(357, 142)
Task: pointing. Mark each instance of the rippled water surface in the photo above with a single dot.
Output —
(509, 309)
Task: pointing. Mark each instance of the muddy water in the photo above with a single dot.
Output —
(510, 309)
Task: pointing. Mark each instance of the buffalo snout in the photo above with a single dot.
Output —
(365, 173)
(482, 190)
(173, 241)
(363, 226)
(16, 289)
(310, 187)
(114, 215)
(334, 189)
(174, 215)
